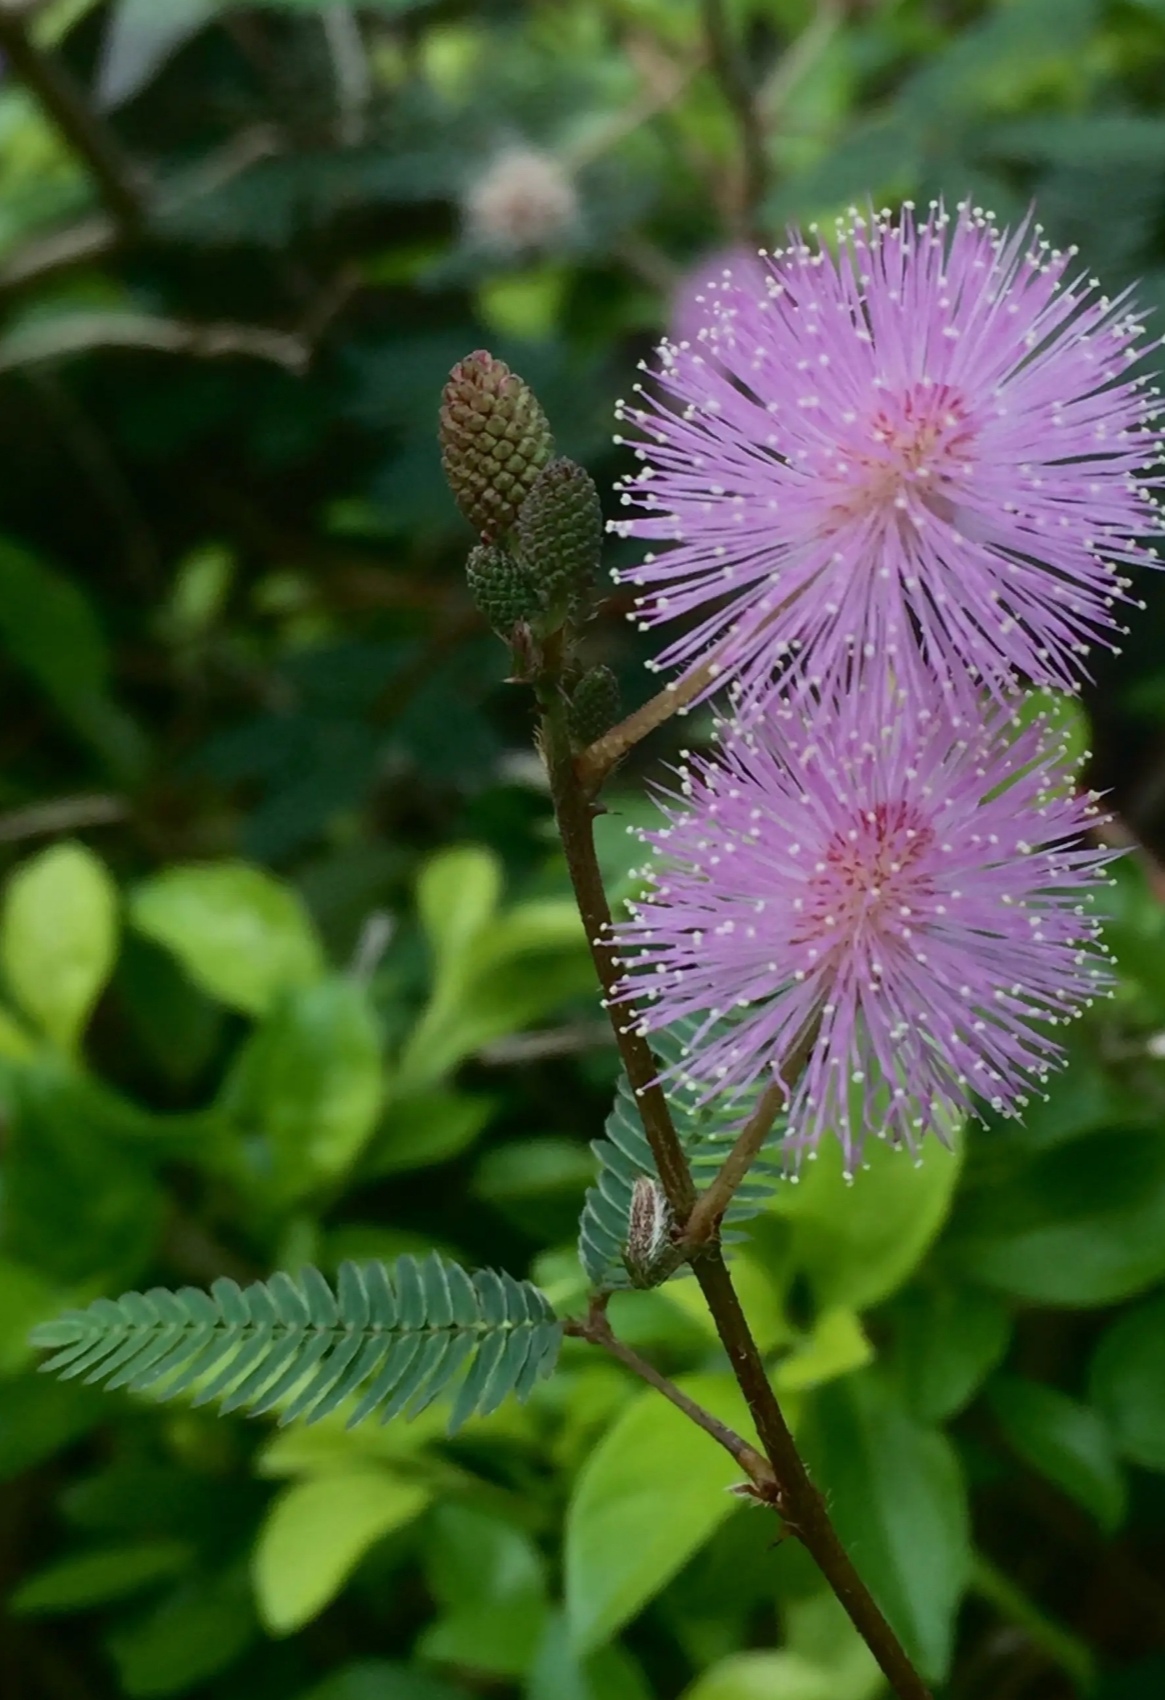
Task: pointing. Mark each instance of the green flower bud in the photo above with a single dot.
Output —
(594, 706)
(495, 439)
(560, 534)
(503, 588)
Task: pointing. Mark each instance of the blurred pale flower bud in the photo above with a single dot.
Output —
(523, 199)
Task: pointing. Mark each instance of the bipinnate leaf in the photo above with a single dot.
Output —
(390, 1337)
(706, 1132)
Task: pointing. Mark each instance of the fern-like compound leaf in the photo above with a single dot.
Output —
(706, 1131)
(391, 1337)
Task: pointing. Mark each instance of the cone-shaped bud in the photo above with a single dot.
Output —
(495, 439)
(560, 533)
(594, 706)
(649, 1225)
(503, 588)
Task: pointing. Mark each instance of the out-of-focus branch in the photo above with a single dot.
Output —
(83, 333)
(730, 73)
(62, 814)
(65, 105)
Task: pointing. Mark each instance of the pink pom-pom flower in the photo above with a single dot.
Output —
(910, 888)
(924, 444)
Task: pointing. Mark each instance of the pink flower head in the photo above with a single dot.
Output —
(910, 886)
(926, 447)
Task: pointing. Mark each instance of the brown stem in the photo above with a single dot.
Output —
(793, 1493)
(598, 1331)
(799, 1501)
(734, 86)
(596, 762)
(704, 1222)
(575, 818)
(65, 104)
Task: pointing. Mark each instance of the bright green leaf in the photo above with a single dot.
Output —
(1065, 1441)
(649, 1496)
(457, 895)
(58, 940)
(1128, 1383)
(898, 1501)
(313, 1081)
(858, 1241)
(771, 1676)
(239, 933)
(836, 1346)
(316, 1533)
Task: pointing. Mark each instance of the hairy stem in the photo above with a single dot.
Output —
(575, 817)
(798, 1500)
(791, 1490)
(598, 1331)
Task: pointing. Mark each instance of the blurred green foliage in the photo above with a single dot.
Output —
(290, 969)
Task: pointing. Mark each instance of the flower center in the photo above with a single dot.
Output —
(915, 450)
(870, 880)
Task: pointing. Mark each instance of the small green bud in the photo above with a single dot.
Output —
(560, 533)
(495, 439)
(504, 588)
(594, 706)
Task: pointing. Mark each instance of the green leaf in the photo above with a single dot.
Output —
(457, 896)
(648, 1497)
(26, 1299)
(198, 1631)
(947, 1340)
(495, 974)
(1082, 1224)
(239, 933)
(559, 1673)
(312, 1080)
(490, 1581)
(706, 1132)
(390, 1339)
(776, 1676)
(858, 1241)
(1128, 1383)
(836, 1346)
(316, 1533)
(1065, 1441)
(92, 1578)
(424, 1128)
(377, 1679)
(58, 939)
(50, 630)
(898, 1501)
(40, 1418)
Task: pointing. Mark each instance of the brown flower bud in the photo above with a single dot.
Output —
(495, 439)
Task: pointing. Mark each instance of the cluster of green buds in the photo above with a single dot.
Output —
(533, 574)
